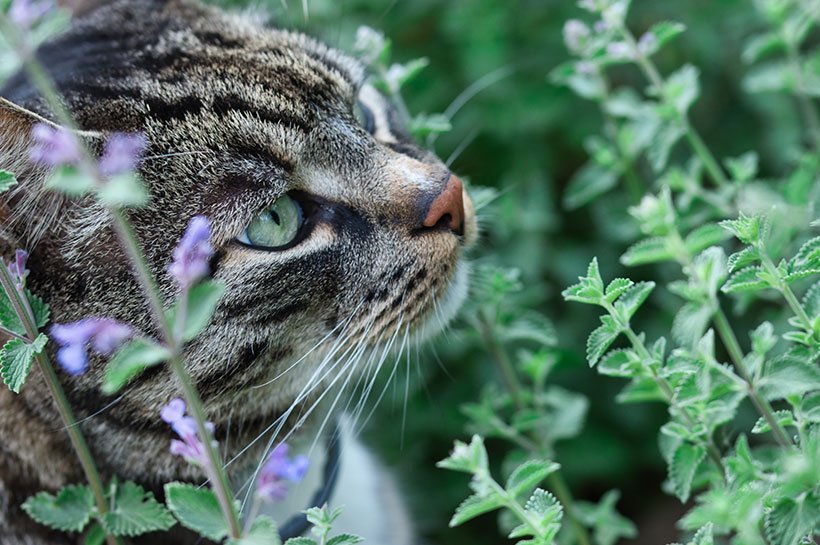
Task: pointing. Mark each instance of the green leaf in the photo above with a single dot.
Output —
(69, 180)
(123, 190)
(747, 229)
(600, 339)
(760, 45)
(744, 281)
(423, 125)
(690, 323)
(703, 536)
(528, 475)
(530, 326)
(685, 462)
(640, 390)
(344, 539)
(68, 511)
(583, 83)
(770, 77)
(590, 289)
(791, 519)
(744, 257)
(783, 417)
(130, 360)
(467, 458)
(95, 535)
(703, 237)
(197, 509)
(807, 258)
(648, 250)
(16, 358)
(664, 33)
(743, 168)
(7, 180)
(682, 88)
(203, 299)
(38, 308)
(474, 506)
(661, 146)
(609, 525)
(616, 288)
(590, 182)
(788, 375)
(632, 299)
(135, 512)
(263, 531)
(811, 301)
(301, 541)
(620, 363)
(8, 316)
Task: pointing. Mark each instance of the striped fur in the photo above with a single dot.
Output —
(235, 115)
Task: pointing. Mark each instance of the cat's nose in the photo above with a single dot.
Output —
(446, 210)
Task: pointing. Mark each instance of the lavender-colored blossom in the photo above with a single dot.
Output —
(601, 26)
(17, 268)
(619, 50)
(192, 254)
(587, 68)
(575, 34)
(190, 446)
(103, 334)
(648, 43)
(54, 146)
(122, 153)
(278, 471)
(24, 13)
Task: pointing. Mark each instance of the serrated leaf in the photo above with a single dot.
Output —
(685, 462)
(135, 512)
(7, 180)
(68, 511)
(590, 289)
(746, 229)
(640, 390)
(633, 298)
(130, 360)
(704, 236)
(744, 281)
(16, 359)
(761, 45)
(615, 288)
(811, 301)
(529, 474)
(619, 363)
(703, 536)
(788, 376)
(39, 308)
(197, 509)
(664, 32)
(791, 519)
(8, 316)
(690, 323)
(682, 88)
(95, 535)
(467, 458)
(807, 257)
(344, 539)
(263, 531)
(203, 299)
(668, 134)
(474, 506)
(599, 341)
(648, 250)
(744, 257)
(783, 417)
(301, 541)
(590, 182)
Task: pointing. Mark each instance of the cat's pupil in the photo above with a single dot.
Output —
(275, 217)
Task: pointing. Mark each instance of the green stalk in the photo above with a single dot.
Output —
(652, 73)
(217, 475)
(219, 479)
(513, 385)
(785, 290)
(75, 435)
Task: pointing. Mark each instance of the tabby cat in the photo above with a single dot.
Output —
(335, 235)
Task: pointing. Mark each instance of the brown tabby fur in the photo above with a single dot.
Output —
(235, 114)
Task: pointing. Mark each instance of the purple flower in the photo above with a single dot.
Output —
(25, 13)
(191, 446)
(122, 153)
(619, 50)
(103, 334)
(192, 254)
(575, 34)
(54, 146)
(272, 483)
(648, 43)
(601, 27)
(17, 268)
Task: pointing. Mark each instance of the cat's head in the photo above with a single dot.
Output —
(248, 126)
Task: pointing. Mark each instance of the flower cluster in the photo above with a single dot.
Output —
(57, 146)
(104, 335)
(190, 446)
(278, 471)
(24, 13)
(193, 253)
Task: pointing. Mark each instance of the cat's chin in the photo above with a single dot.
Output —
(446, 308)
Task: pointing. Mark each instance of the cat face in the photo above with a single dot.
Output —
(337, 237)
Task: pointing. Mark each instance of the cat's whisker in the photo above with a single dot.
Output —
(95, 413)
(173, 154)
(463, 145)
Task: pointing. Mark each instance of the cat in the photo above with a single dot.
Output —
(244, 123)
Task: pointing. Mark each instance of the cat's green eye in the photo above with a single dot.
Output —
(365, 117)
(277, 226)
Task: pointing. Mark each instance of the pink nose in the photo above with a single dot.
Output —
(447, 209)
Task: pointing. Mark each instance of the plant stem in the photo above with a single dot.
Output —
(726, 333)
(218, 477)
(695, 141)
(75, 435)
(784, 289)
(513, 385)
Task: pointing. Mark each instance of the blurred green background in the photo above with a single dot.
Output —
(524, 137)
